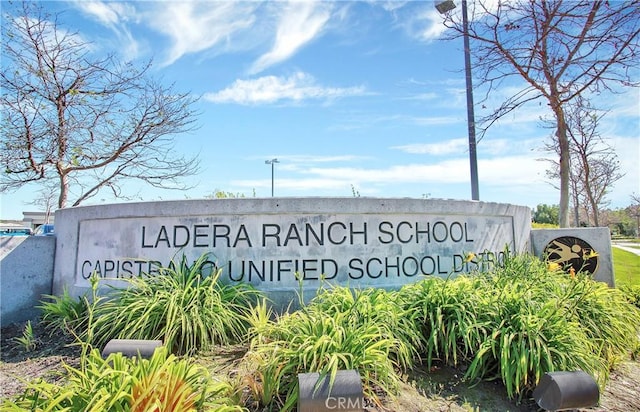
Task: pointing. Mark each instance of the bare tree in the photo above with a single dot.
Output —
(634, 210)
(87, 123)
(560, 49)
(47, 200)
(594, 165)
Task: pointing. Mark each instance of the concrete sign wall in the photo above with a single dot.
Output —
(586, 249)
(275, 243)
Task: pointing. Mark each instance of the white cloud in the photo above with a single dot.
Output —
(434, 27)
(296, 185)
(422, 23)
(115, 16)
(219, 26)
(422, 97)
(491, 147)
(628, 151)
(106, 14)
(197, 26)
(496, 174)
(390, 5)
(441, 148)
(444, 172)
(271, 89)
(428, 24)
(356, 121)
(510, 171)
(296, 160)
(299, 23)
(435, 120)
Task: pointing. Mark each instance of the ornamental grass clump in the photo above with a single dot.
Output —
(606, 316)
(182, 305)
(449, 314)
(120, 384)
(521, 320)
(632, 293)
(377, 306)
(339, 330)
(64, 313)
(525, 341)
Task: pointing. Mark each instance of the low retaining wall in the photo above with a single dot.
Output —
(26, 273)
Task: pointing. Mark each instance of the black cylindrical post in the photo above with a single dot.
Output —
(316, 395)
(131, 347)
(560, 391)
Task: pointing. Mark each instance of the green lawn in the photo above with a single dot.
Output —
(626, 267)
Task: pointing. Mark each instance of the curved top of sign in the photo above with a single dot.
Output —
(302, 205)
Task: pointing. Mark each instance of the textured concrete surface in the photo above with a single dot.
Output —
(598, 239)
(287, 245)
(26, 273)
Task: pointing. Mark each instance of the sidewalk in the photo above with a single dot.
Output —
(629, 247)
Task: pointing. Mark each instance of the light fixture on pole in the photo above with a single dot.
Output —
(272, 162)
(445, 7)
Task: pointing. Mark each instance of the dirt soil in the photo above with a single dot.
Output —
(437, 389)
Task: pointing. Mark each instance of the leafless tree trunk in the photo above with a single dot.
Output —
(594, 164)
(88, 122)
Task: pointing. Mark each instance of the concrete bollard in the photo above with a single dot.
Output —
(131, 347)
(346, 393)
(560, 391)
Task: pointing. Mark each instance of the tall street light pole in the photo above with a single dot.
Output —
(272, 162)
(444, 7)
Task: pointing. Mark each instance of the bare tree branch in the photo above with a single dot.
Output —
(594, 164)
(89, 123)
(556, 50)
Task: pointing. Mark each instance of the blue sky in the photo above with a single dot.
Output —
(346, 95)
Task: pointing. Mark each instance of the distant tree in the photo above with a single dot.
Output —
(561, 49)
(46, 201)
(220, 194)
(634, 211)
(546, 214)
(621, 222)
(594, 165)
(83, 121)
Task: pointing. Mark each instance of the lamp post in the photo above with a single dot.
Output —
(444, 7)
(272, 162)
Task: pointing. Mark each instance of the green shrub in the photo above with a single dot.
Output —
(340, 329)
(117, 383)
(631, 293)
(64, 313)
(449, 316)
(521, 320)
(606, 317)
(529, 341)
(377, 306)
(27, 341)
(179, 305)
